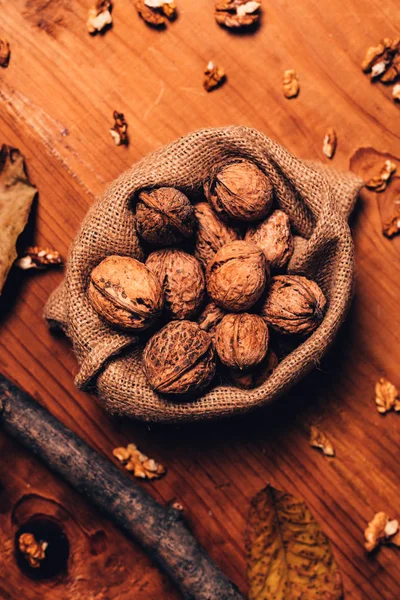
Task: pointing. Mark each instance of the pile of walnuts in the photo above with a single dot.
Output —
(212, 290)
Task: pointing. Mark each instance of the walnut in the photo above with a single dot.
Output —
(386, 396)
(294, 305)
(380, 530)
(182, 279)
(164, 216)
(318, 439)
(237, 276)
(119, 131)
(379, 182)
(274, 237)
(99, 16)
(237, 13)
(5, 53)
(179, 359)
(291, 86)
(240, 191)
(138, 463)
(241, 340)
(329, 143)
(125, 293)
(36, 257)
(211, 233)
(33, 550)
(209, 318)
(214, 76)
(255, 376)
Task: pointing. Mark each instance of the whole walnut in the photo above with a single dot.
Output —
(294, 304)
(164, 216)
(241, 340)
(209, 318)
(211, 233)
(179, 359)
(240, 191)
(237, 276)
(256, 376)
(182, 280)
(275, 239)
(125, 293)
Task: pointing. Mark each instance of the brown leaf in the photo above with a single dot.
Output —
(138, 463)
(318, 439)
(386, 396)
(16, 196)
(214, 76)
(288, 556)
(291, 86)
(4, 53)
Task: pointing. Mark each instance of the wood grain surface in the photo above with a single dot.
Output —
(57, 98)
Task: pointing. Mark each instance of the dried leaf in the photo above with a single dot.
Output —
(386, 396)
(381, 530)
(16, 196)
(38, 258)
(119, 132)
(237, 13)
(318, 439)
(330, 143)
(214, 76)
(4, 53)
(33, 550)
(288, 556)
(291, 86)
(99, 16)
(379, 182)
(138, 463)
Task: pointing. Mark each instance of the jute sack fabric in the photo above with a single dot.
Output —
(318, 201)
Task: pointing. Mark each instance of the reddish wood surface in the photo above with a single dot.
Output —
(57, 98)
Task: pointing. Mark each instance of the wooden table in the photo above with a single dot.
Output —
(58, 95)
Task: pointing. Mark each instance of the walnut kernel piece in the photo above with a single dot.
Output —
(372, 55)
(318, 439)
(214, 77)
(235, 14)
(99, 16)
(4, 53)
(138, 463)
(167, 7)
(396, 92)
(291, 85)
(381, 530)
(383, 61)
(119, 131)
(391, 227)
(155, 12)
(38, 258)
(378, 183)
(386, 396)
(33, 550)
(329, 143)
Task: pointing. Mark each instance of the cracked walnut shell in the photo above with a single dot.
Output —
(240, 191)
(237, 276)
(294, 305)
(164, 216)
(179, 359)
(211, 233)
(241, 340)
(125, 293)
(274, 237)
(182, 279)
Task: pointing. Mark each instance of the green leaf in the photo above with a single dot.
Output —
(288, 556)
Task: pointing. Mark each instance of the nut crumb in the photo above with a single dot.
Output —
(291, 86)
(138, 463)
(318, 439)
(38, 258)
(330, 143)
(214, 77)
(5, 53)
(33, 550)
(99, 16)
(235, 14)
(119, 132)
(386, 396)
(378, 183)
(381, 530)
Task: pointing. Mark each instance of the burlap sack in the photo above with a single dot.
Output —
(318, 201)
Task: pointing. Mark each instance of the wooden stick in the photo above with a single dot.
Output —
(159, 530)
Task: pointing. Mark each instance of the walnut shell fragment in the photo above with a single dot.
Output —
(241, 340)
(99, 16)
(235, 14)
(179, 359)
(164, 216)
(239, 190)
(125, 293)
(386, 396)
(156, 12)
(274, 237)
(291, 85)
(256, 376)
(237, 276)
(5, 53)
(182, 280)
(329, 143)
(211, 233)
(119, 131)
(209, 318)
(319, 439)
(294, 305)
(214, 76)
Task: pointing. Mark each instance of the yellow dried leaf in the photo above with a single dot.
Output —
(318, 439)
(288, 556)
(16, 197)
(386, 396)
